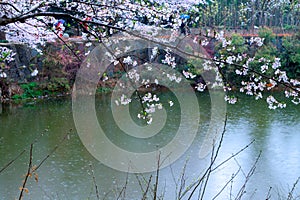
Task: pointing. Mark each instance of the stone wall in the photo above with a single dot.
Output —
(25, 61)
(57, 61)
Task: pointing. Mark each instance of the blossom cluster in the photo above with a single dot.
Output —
(6, 56)
(273, 103)
(258, 74)
(99, 20)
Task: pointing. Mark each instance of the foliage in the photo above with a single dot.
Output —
(247, 67)
(59, 59)
(267, 34)
(56, 85)
(236, 48)
(290, 55)
(31, 90)
(266, 53)
(38, 90)
(103, 90)
(246, 14)
(256, 69)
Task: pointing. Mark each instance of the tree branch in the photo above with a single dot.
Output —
(11, 5)
(28, 173)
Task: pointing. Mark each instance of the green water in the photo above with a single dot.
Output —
(67, 174)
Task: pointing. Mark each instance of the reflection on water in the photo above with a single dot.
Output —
(66, 174)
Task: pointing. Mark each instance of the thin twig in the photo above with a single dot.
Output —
(94, 181)
(53, 150)
(250, 173)
(156, 178)
(237, 162)
(12, 161)
(140, 183)
(290, 196)
(215, 168)
(234, 155)
(147, 189)
(229, 181)
(63, 41)
(208, 174)
(27, 174)
(269, 194)
(253, 194)
(182, 179)
(21, 153)
(213, 159)
(231, 187)
(125, 70)
(11, 5)
(123, 191)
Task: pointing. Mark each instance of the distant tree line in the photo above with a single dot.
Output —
(247, 14)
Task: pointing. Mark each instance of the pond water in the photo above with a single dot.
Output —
(66, 174)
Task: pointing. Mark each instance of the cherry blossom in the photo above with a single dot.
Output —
(35, 23)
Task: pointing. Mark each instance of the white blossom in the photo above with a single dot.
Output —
(149, 121)
(274, 104)
(264, 68)
(188, 74)
(124, 100)
(169, 60)
(34, 72)
(230, 59)
(281, 75)
(200, 87)
(133, 75)
(6, 54)
(3, 75)
(230, 100)
(127, 60)
(276, 63)
(154, 53)
(88, 44)
(204, 42)
(259, 41)
(294, 82)
(258, 96)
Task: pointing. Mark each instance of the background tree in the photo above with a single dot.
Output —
(37, 22)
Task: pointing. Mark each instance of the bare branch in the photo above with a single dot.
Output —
(290, 196)
(124, 188)
(250, 173)
(21, 153)
(156, 178)
(229, 181)
(213, 159)
(237, 153)
(147, 189)
(27, 174)
(12, 161)
(52, 151)
(94, 181)
(269, 194)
